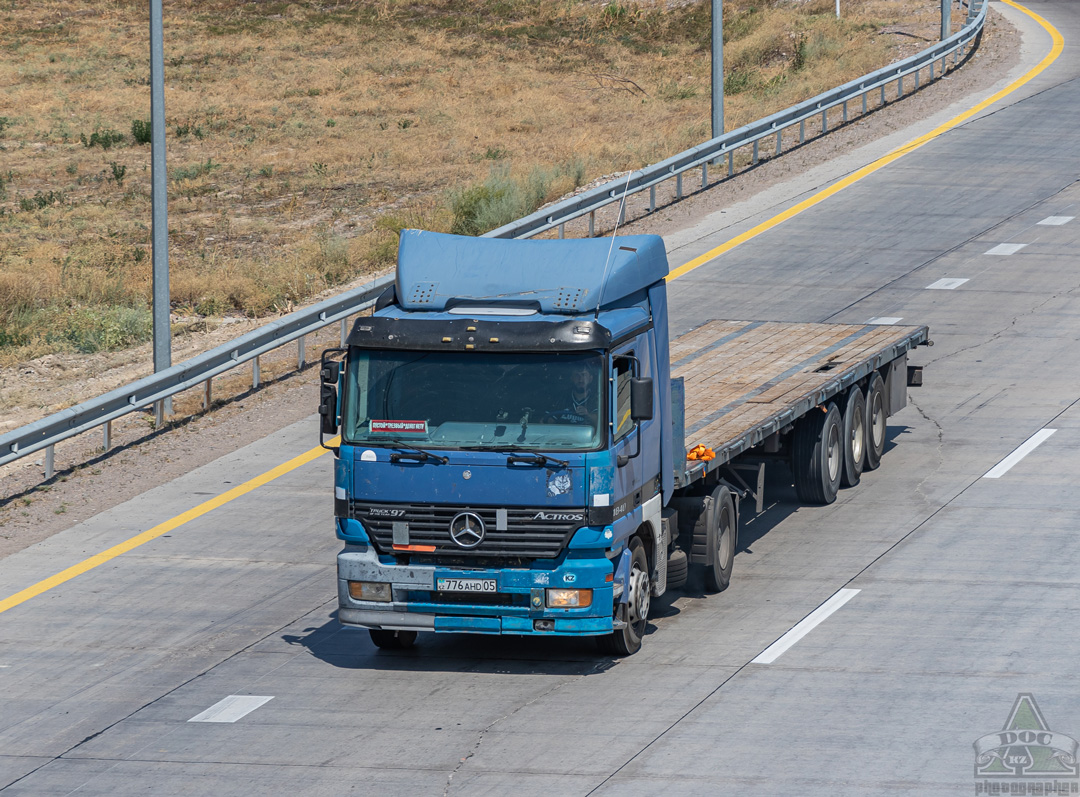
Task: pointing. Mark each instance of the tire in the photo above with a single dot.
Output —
(392, 640)
(678, 568)
(817, 456)
(722, 544)
(875, 421)
(626, 641)
(854, 436)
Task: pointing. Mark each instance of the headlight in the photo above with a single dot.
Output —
(569, 598)
(369, 591)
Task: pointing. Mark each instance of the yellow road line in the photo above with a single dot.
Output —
(294, 463)
(160, 529)
(885, 160)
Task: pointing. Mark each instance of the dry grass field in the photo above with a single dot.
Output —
(302, 136)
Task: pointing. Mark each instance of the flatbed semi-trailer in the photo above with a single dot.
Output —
(524, 451)
(744, 382)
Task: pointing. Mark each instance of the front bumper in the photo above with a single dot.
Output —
(416, 606)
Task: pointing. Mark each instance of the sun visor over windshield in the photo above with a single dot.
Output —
(436, 271)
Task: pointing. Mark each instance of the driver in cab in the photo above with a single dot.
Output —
(580, 403)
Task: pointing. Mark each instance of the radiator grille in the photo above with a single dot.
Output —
(531, 532)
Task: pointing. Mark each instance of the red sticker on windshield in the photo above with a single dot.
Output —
(399, 427)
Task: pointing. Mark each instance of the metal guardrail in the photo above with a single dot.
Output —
(152, 390)
(724, 147)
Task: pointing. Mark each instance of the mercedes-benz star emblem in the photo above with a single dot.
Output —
(467, 529)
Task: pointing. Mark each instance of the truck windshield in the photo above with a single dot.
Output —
(476, 400)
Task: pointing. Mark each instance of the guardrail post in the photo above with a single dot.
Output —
(562, 231)
(900, 87)
(300, 341)
(917, 79)
(825, 120)
(344, 331)
(592, 214)
(779, 144)
(652, 207)
(864, 103)
(882, 93)
(704, 176)
(754, 160)
(207, 393)
(843, 117)
(931, 71)
(107, 436)
(802, 131)
(255, 373)
(50, 461)
(622, 211)
(159, 413)
(678, 185)
(731, 163)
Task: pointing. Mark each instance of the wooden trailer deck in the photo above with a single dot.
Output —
(745, 380)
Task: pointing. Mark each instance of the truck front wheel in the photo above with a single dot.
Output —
(626, 641)
(817, 455)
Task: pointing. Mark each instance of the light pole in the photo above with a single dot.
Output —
(717, 68)
(159, 213)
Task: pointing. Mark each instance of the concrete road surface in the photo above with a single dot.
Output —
(961, 563)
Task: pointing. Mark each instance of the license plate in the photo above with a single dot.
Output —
(465, 584)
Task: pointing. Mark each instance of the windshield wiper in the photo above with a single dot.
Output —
(513, 455)
(420, 454)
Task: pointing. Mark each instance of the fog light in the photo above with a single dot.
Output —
(369, 591)
(569, 598)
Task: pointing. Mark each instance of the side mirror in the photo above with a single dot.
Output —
(328, 409)
(330, 372)
(641, 398)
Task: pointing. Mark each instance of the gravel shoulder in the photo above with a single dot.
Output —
(89, 481)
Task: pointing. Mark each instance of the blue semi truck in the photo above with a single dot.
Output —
(524, 451)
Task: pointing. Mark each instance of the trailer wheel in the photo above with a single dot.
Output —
(817, 456)
(854, 436)
(392, 640)
(722, 549)
(626, 641)
(875, 421)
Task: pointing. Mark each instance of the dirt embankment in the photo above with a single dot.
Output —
(88, 481)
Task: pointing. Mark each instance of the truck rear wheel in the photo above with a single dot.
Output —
(817, 456)
(626, 641)
(875, 421)
(722, 547)
(392, 640)
(854, 436)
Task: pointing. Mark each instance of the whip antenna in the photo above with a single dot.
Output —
(611, 246)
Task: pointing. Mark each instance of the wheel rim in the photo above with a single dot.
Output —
(833, 453)
(638, 599)
(724, 548)
(877, 421)
(858, 438)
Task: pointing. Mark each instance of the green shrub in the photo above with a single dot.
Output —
(104, 138)
(141, 131)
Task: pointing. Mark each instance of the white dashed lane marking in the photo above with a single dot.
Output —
(1025, 448)
(1056, 221)
(1005, 249)
(885, 320)
(947, 284)
(804, 627)
(231, 708)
